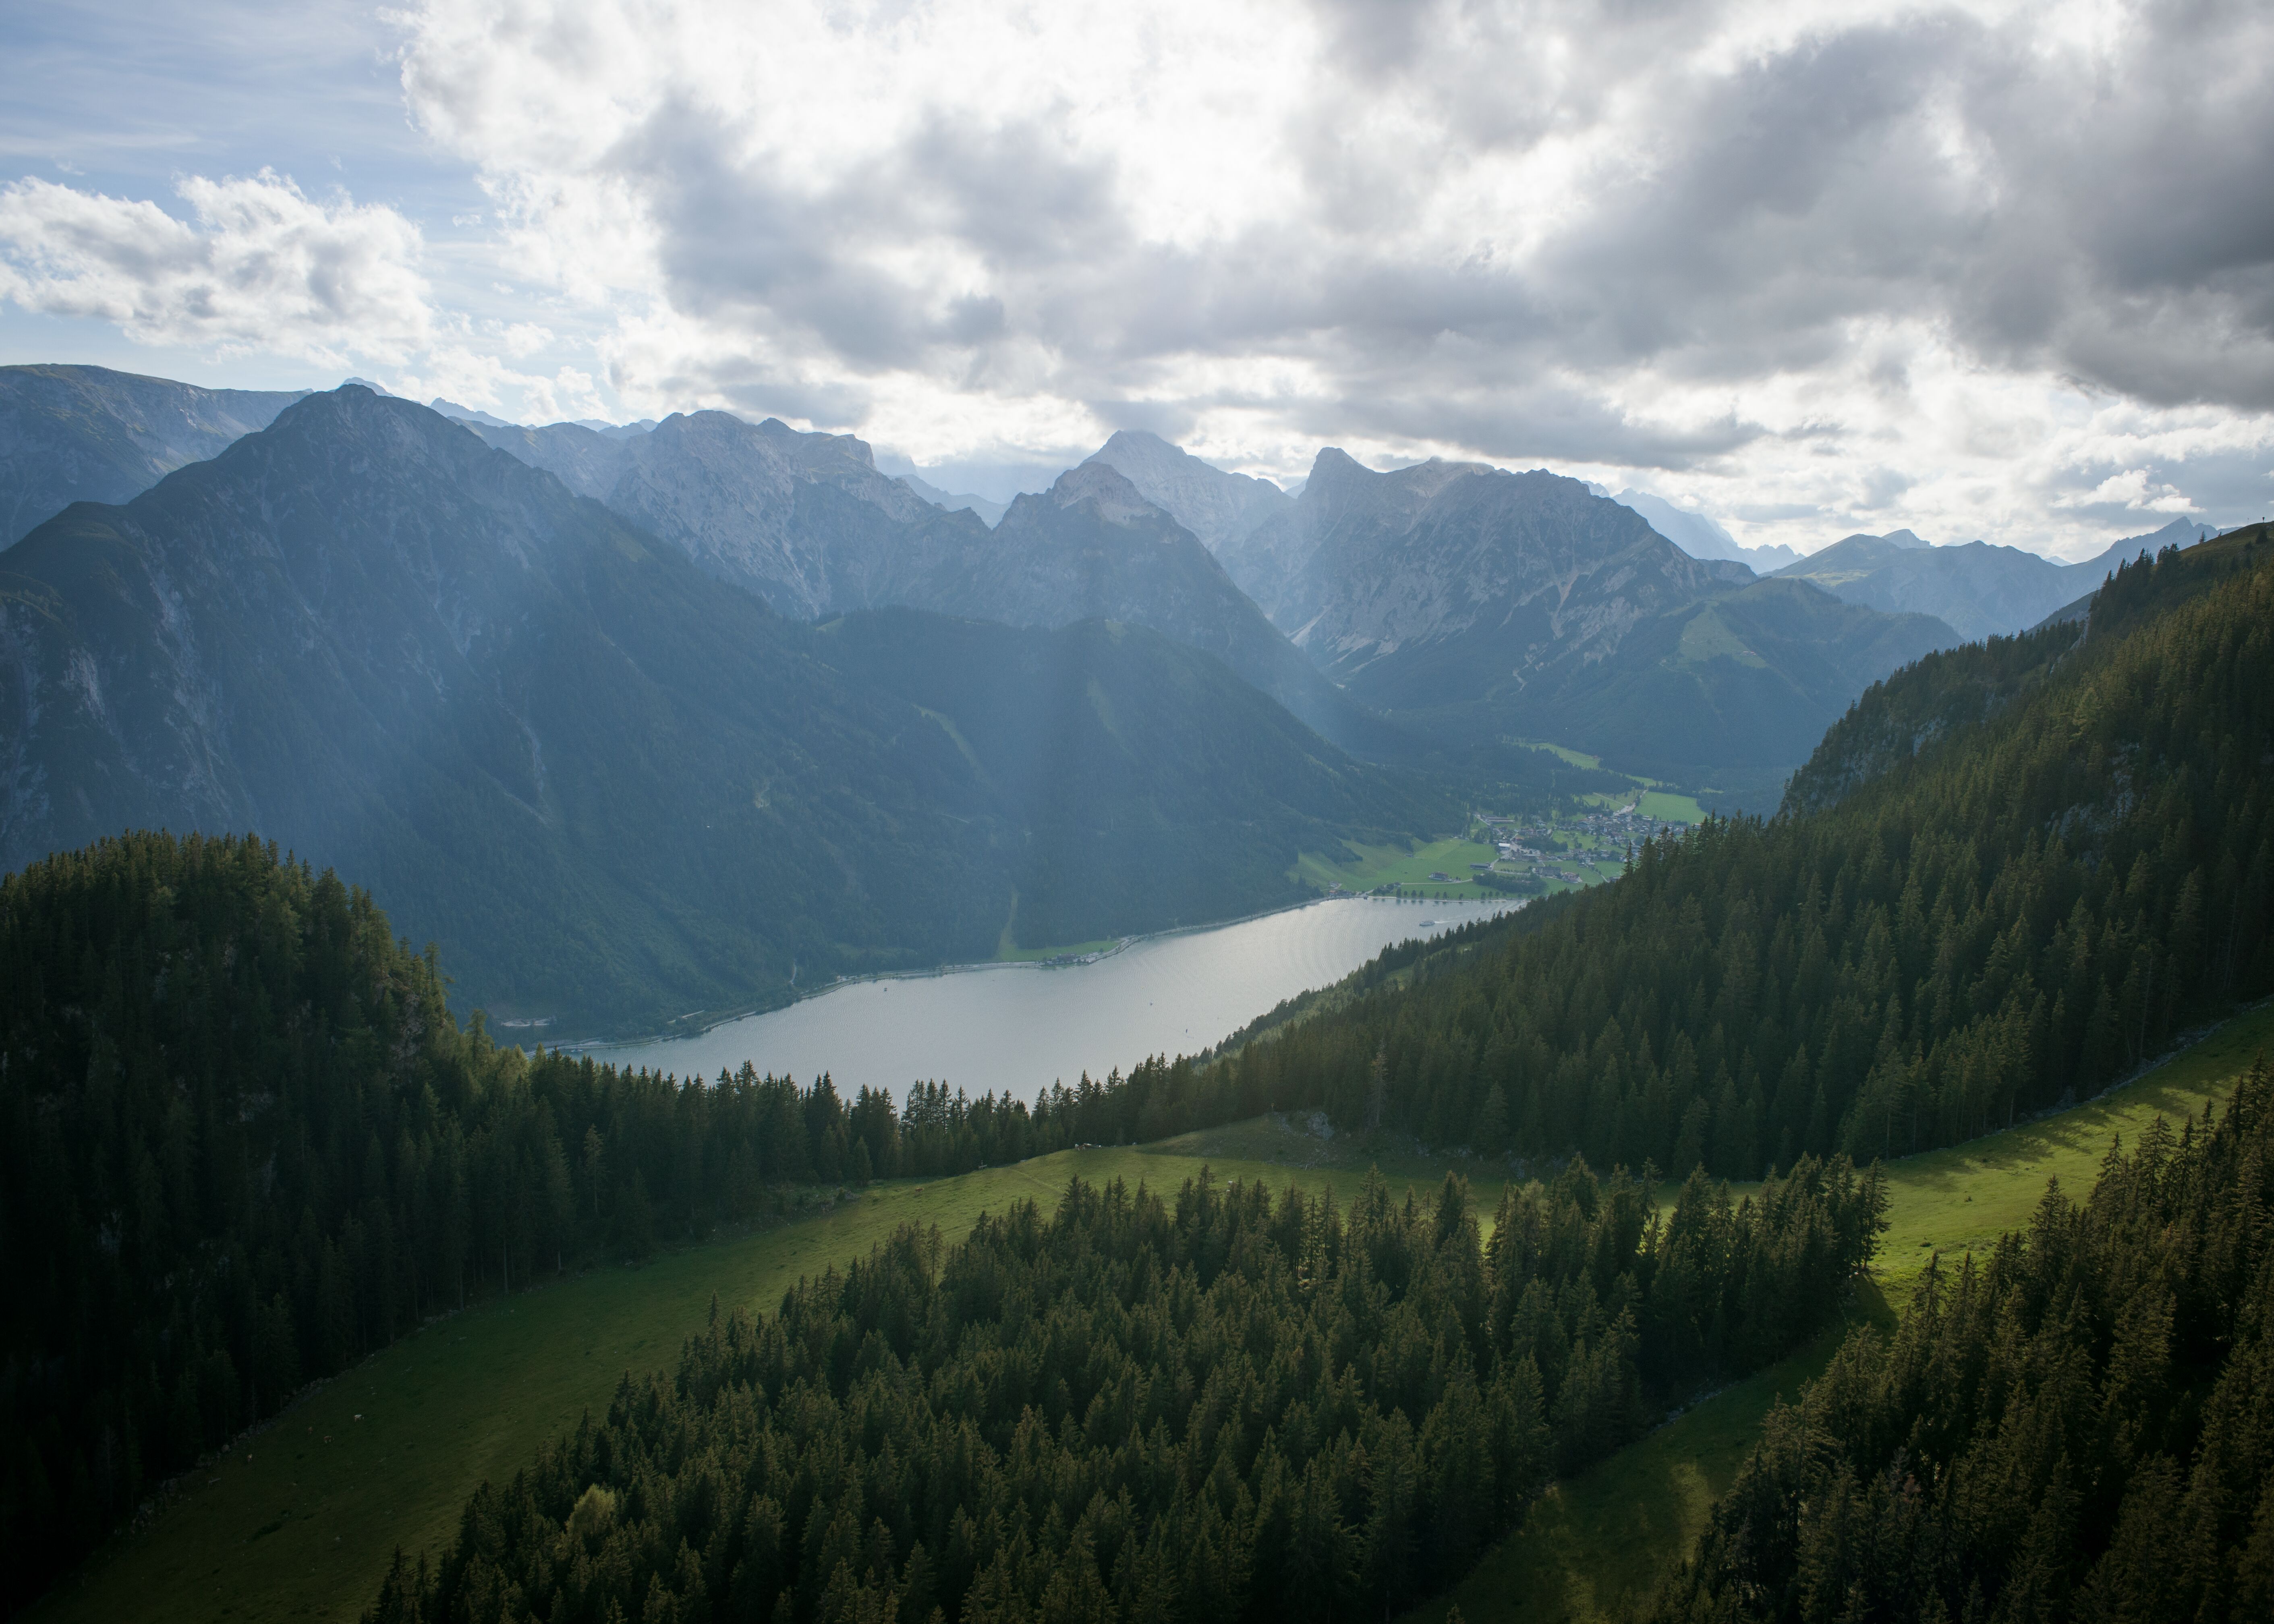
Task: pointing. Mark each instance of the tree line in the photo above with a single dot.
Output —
(2081, 1426)
(1218, 1406)
(2014, 874)
(245, 1143)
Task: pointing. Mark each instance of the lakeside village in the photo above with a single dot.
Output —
(1512, 855)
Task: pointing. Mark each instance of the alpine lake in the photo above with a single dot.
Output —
(1017, 1028)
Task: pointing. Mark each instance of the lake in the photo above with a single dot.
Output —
(1017, 1028)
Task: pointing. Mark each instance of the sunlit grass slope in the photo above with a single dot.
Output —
(299, 1522)
(1599, 1543)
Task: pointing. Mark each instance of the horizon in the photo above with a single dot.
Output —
(1809, 271)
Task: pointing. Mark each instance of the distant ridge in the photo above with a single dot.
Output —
(89, 434)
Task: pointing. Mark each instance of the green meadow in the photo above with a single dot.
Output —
(1595, 1546)
(1362, 868)
(299, 1520)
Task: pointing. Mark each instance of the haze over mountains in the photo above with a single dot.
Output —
(1979, 589)
(613, 790)
(512, 694)
(86, 433)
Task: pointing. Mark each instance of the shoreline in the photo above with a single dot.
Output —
(598, 1048)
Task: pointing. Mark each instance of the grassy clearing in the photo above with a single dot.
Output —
(1408, 867)
(1570, 758)
(1596, 1546)
(300, 1519)
(1677, 809)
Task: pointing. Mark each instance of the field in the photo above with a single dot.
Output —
(299, 1522)
(1570, 758)
(1675, 809)
(1597, 1545)
(1366, 867)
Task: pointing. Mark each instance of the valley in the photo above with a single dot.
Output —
(949, 814)
(659, 730)
(304, 1528)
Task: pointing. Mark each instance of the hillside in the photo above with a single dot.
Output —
(1155, 784)
(2079, 1425)
(807, 522)
(613, 792)
(432, 1428)
(89, 434)
(249, 1143)
(1474, 605)
(1977, 908)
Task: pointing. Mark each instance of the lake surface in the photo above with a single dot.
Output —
(1017, 1028)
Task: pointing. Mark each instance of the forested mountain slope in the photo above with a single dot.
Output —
(1220, 1407)
(613, 790)
(245, 1143)
(1155, 784)
(2026, 870)
(87, 434)
(2081, 1427)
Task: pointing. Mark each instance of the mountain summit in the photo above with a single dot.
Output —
(1221, 509)
(614, 789)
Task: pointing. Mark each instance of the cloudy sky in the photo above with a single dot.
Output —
(2002, 270)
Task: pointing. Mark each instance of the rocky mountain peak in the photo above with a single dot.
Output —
(1221, 509)
(1113, 498)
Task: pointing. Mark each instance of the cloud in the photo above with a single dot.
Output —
(1896, 259)
(258, 265)
(1813, 265)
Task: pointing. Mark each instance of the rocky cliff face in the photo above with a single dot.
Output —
(1091, 546)
(806, 521)
(87, 434)
(613, 789)
(1478, 604)
(1425, 585)
(1221, 509)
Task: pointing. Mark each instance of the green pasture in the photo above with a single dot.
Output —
(299, 1520)
(1676, 808)
(1363, 868)
(1570, 758)
(1594, 1547)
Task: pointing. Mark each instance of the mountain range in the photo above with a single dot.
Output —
(1981, 590)
(1444, 612)
(1467, 602)
(86, 433)
(1701, 537)
(807, 522)
(614, 790)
